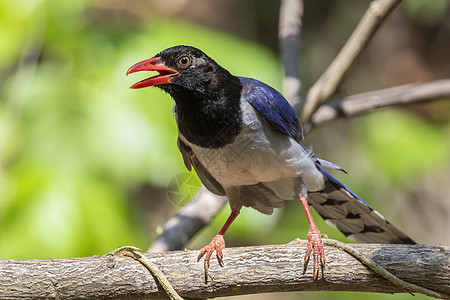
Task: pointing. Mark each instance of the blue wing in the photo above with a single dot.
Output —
(272, 106)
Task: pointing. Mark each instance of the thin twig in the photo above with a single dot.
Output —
(159, 276)
(289, 28)
(359, 104)
(327, 84)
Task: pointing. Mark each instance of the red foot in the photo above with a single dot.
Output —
(217, 244)
(315, 244)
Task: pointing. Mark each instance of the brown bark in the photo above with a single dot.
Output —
(273, 268)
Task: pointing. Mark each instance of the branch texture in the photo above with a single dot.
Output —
(274, 268)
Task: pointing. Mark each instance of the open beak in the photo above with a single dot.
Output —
(152, 65)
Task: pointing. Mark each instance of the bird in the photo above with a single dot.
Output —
(243, 139)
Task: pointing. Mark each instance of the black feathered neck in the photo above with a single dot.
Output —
(207, 98)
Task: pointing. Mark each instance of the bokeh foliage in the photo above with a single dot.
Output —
(74, 139)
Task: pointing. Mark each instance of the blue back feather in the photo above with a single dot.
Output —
(275, 109)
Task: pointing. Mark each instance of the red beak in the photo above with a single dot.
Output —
(152, 65)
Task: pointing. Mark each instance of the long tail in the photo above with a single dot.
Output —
(343, 209)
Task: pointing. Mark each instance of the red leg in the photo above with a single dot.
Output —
(314, 242)
(217, 244)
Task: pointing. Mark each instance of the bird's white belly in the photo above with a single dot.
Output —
(244, 162)
(258, 154)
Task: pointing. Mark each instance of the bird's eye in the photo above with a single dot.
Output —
(184, 61)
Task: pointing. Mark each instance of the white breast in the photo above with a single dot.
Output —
(260, 154)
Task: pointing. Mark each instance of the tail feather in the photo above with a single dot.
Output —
(343, 209)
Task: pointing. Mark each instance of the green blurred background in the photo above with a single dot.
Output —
(85, 162)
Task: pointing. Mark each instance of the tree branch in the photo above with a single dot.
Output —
(355, 105)
(194, 216)
(247, 270)
(327, 84)
(289, 27)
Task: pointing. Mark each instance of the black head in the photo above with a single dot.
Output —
(184, 68)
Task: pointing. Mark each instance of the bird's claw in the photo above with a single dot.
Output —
(217, 244)
(316, 246)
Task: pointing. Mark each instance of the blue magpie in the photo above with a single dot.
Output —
(243, 140)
